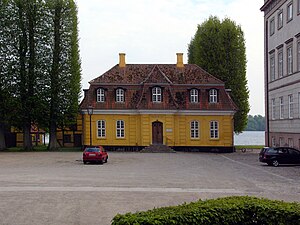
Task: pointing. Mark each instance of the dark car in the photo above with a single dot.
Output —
(94, 154)
(279, 155)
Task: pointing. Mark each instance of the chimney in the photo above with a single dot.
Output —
(179, 60)
(122, 62)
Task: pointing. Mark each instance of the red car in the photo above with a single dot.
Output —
(94, 154)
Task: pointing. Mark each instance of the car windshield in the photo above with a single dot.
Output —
(92, 149)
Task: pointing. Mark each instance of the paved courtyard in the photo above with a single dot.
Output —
(56, 188)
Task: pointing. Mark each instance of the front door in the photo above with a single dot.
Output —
(157, 133)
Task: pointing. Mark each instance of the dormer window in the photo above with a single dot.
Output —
(100, 95)
(119, 95)
(213, 96)
(194, 96)
(156, 94)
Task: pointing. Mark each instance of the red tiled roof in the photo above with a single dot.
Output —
(137, 79)
(140, 73)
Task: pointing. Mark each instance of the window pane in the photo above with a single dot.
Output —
(100, 95)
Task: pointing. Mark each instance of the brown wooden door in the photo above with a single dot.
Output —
(157, 133)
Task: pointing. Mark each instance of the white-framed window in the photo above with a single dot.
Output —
(290, 60)
(281, 108)
(281, 141)
(291, 142)
(156, 94)
(213, 96)
(119, 95)
(280, 20)
(273, 108)
(214, 129)
(272, 26)
(194, 96)
(291, 110)
(290, 11)
(100, 95)
(273, 142)
(298, 55)
(280, 64)
(101, 128)
(194, 129)
(272, 67)
(120, 128)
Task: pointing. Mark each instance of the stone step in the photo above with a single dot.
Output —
(157, 149)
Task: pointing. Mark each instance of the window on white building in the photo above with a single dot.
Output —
(119, 95)
(273, 108)
(280, 20)
(214, 129)
(298, 55)
(291, 142)
(213, 96)
(101, 128)
(120, 128)
(273, 142)
(281, 108)
(299, 104)
(289, 60)
(194, 129)
(100, 95)
(280, 64)
(194, 95)
(291, 111)
(290, 11)
(272, 67)
(156, 94)
(281, 141)
(272, 26)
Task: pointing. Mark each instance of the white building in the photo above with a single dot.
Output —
(282, 72)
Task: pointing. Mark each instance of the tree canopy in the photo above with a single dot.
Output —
(41, 72)
(219, 48)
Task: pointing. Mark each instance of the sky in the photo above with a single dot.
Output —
(153, 31)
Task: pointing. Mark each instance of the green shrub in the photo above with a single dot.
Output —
(241, 210)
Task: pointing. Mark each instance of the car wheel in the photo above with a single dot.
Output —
(106, 160)
(84, 162)
(275, 163)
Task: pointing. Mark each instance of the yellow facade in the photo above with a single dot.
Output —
(176, 130)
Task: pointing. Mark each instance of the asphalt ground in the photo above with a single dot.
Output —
(57, 188)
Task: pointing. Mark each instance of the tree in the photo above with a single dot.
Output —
(219, 48)
(65, 74)
(7, 62)
(255, 123)
(40, 66)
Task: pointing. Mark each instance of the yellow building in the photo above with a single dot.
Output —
(132, 106)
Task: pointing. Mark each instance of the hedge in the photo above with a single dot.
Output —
(238, 210)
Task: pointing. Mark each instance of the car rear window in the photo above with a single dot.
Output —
(271, 150)
(92, 149)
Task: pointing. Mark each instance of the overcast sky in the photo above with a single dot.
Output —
(153, 31)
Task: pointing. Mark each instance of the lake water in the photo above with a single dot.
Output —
(250, 138)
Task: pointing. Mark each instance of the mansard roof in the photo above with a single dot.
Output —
(156, 73)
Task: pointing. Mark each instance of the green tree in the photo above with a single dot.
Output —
(219, 48)
(65, 74)
(255, 123)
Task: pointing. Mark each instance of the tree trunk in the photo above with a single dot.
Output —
(27, 140)
(53, 143)
(2, 138)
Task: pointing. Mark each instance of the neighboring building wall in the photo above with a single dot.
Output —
(176, 130)
(282, 72)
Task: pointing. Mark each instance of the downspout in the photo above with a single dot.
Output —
(267, 142)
